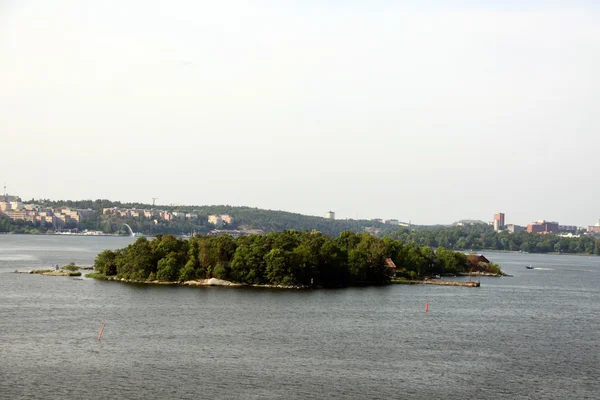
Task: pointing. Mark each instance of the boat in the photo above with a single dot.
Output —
(529, 267)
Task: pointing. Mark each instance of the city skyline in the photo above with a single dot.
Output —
(491, 217)
(432, 113)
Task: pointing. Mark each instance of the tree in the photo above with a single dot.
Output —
(188, 272)
(168, 269)
(219, 271)
(137, 260)
(276, 266)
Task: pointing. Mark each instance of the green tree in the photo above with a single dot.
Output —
(219, 271)
(188, 272)
(276, 264)
(168, 270)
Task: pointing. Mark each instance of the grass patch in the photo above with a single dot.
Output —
(70, 267)
(95, 275)
(74, 273)
(40, 271)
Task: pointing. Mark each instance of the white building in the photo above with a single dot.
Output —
(329, 215)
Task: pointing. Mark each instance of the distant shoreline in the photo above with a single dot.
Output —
(554, 253)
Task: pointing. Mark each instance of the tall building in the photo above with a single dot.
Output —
(498, 221)
(330, 215)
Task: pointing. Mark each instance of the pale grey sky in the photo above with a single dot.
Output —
(429, 113)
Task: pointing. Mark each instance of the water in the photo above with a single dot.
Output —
(534, 335)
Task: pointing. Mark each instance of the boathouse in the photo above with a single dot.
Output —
(391, 267)
(475, 260)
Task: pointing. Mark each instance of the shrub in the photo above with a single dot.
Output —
(95, 275)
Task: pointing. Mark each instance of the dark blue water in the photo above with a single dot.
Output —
(535, 335)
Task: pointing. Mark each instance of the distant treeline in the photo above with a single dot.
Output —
(282, 258)
(482, 237)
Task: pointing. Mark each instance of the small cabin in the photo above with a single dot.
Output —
(475, 259)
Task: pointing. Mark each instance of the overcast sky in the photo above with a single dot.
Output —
(373, 109)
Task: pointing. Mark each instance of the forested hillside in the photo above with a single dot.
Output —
(243, 217)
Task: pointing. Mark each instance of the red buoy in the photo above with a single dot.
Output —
(101, 330)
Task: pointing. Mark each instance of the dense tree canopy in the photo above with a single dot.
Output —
(278, 258)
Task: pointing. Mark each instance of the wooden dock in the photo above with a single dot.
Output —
(451, 283)
(436, 282)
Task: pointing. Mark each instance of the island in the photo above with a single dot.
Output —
(290, 259)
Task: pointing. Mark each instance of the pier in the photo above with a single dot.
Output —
(437, 282)
(452, 283)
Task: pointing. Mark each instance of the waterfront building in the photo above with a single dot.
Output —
(543, 226)
(20, 215)
(231, 232)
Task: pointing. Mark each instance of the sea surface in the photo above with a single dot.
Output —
(532, 336)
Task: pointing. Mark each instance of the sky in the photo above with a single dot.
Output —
(429, 111)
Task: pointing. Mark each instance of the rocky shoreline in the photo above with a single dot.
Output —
(202, 282)
(221, 282)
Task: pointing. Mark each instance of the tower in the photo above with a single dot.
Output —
(498, 221)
